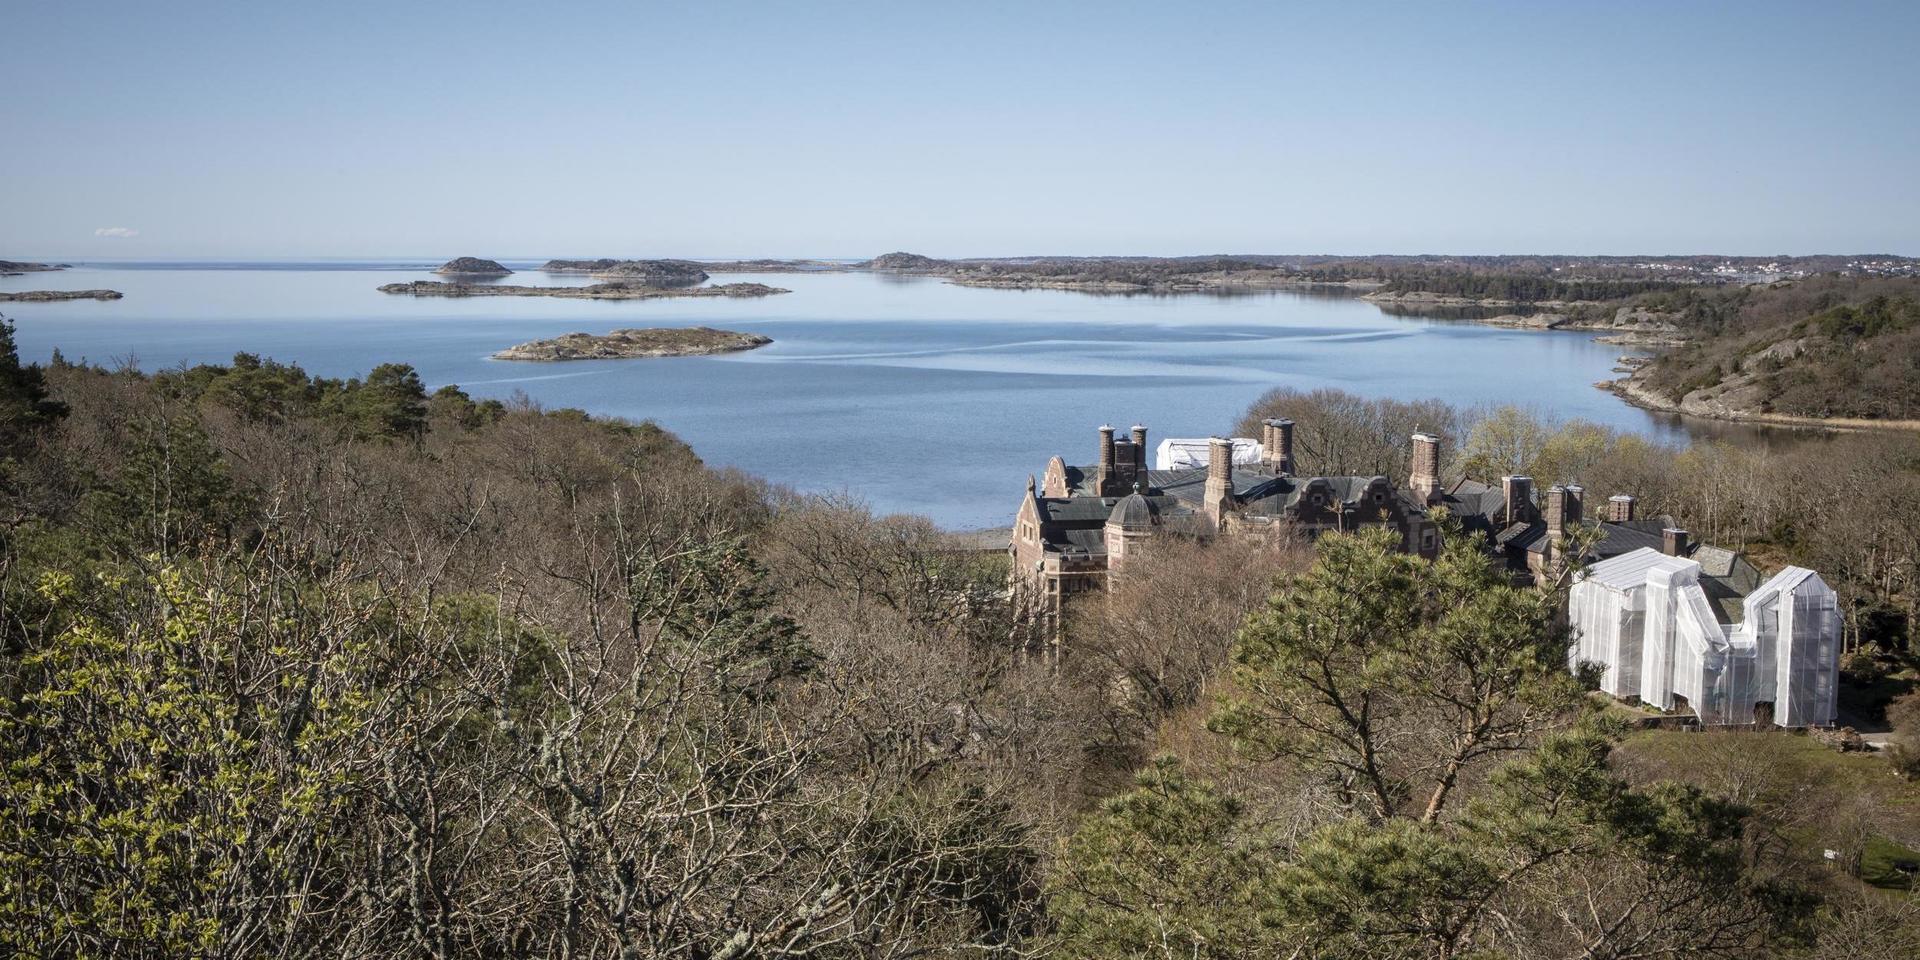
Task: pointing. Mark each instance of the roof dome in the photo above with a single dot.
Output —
(1134, 510)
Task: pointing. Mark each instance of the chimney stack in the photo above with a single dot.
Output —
(1219, 494)
(1103, 475)
(1425, 480)
(1673, 542)
(1556, 512)
(1140, 452)
(1519, 494)
(1277, 441)
(1620, 508)
(1576, 504)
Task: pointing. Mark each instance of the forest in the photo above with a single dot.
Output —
(1519, 288)
(1827, 346)
(302, 667)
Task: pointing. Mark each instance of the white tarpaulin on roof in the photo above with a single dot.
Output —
(1644, 619)
(1180, 454)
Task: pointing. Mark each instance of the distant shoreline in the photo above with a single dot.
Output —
(598, 291)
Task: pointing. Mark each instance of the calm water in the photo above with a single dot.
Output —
(914, 394)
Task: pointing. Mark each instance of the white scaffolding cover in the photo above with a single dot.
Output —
(1187, 454)
(1643, 617)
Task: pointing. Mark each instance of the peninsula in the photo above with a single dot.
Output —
(598, 291)
(631, 343)
(55, 296)
(472, 267)
(1828, 350)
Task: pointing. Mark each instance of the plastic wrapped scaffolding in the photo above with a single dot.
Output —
(1645, 620)
(1802, 614)
(1187, 454)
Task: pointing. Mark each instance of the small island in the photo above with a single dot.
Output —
(900, 260)
(598, 291)
(10, 267)
(472, 267)
(631, 343)
(55, 296)
(652, 273)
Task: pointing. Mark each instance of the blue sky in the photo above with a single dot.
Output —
(718, 129)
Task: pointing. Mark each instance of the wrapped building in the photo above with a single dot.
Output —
(1666, 631)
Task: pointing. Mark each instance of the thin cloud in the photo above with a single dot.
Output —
(118, 233)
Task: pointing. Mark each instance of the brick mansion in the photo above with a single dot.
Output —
(1077, 527)
(1077, 524)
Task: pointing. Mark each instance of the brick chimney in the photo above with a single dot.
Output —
(1576, 504)
(1620, 508)
(1556, 512)
(1103, 474)
(1140, 451)
(1519, 495)
(1425, 479)
(1673, 542)
(1219, 494)
(1276, 440)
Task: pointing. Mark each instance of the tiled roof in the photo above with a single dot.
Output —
(1075, 510)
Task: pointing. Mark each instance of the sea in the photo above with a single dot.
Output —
(909, 393)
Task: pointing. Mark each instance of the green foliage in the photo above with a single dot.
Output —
(1874, 318)
(390, 403)
(1881, 863)
(708, 600)
(1175, 869)
(173, 490)
(1520, 288)
(1353, 663)
(25, 408)
(149, 809)
(1162, 870)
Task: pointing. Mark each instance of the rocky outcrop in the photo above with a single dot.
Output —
(598, 291)
(1427, 298)
(903, 261)
(1626, 326)
(8, 267)
(472, 267)
(632, 343)
(652, 273)
(55, 296)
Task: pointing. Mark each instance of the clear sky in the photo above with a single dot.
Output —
(717, 129)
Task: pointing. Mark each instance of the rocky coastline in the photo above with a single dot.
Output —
(1733, 401)
(56, 296)
(1626, 326)
(635, 343)
(1429, 299)
(598, 291)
